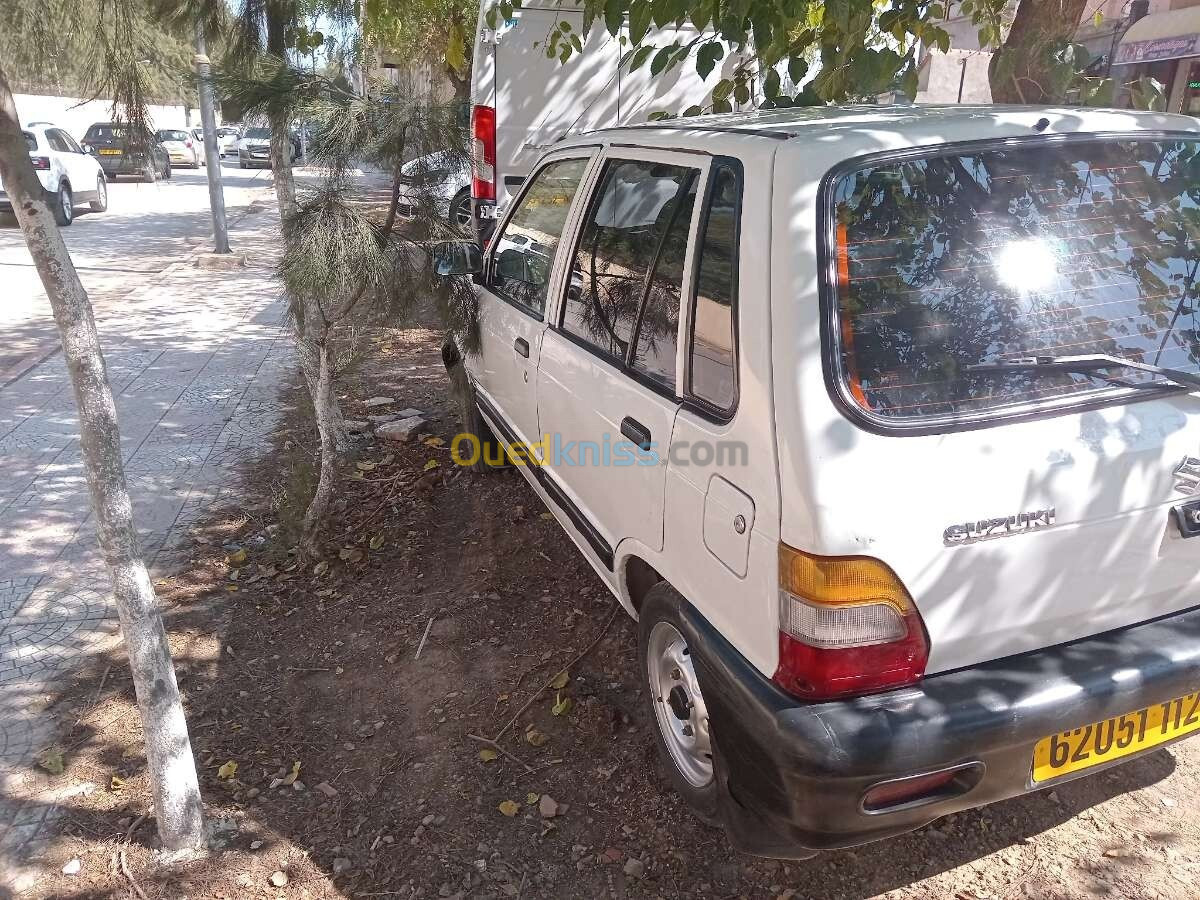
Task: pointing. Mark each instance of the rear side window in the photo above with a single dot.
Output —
(30, 141)
(54, 139)
(713, 372)
(630, 213)
(1068, 249)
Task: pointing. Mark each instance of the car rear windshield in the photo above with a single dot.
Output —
(106, 132)
(173, 136)
(1059, 249)
(263, 133)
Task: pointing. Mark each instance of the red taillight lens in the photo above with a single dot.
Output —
(847, 625)
(483, 163)
(188, 144)
(41, 162)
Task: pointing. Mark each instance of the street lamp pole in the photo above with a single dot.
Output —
(212, 153)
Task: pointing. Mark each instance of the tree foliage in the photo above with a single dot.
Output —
(806, 52)
(435, 31)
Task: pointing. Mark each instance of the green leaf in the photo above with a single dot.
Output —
(723, 89)
(770, 85)
(639, 58)
(706, 58)
(741, 93)
(722, 106)
(661, 58)
(693, 111)
(614, 15)
(797, 69)
(639, 20)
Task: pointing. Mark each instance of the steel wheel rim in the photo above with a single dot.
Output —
(679, 704)
(64, 202)
(462, 213)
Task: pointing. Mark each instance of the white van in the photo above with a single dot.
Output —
(524, 101)
(885, 425)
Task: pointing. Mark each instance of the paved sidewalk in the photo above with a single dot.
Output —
(196, 359)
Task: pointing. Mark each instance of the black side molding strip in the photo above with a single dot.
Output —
(581, 522)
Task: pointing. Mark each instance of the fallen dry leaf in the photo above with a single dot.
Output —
(236, 558)
(509, 808)
(227, 770)
(561, 680)
(488, 755)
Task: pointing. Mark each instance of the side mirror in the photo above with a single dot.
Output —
(457, 258)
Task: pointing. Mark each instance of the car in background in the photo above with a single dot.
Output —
(227, 138)
(180, 146)
(443, 179)
(68, 174)
(254, 148)
(123, 149)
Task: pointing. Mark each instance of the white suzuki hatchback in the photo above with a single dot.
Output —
(885, 424)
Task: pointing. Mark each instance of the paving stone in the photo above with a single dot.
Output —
(197, 388)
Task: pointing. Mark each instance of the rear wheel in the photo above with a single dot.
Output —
(677, 704)
(167, 170)
(460, 210)
(64, 206)
(100, 204)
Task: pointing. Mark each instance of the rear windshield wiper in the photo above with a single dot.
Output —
(1087, 365)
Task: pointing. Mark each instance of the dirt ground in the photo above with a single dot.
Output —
(446, 602)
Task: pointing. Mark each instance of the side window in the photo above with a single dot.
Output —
(54, 139)
(628, 217)
(72, 146)
(713, 362)
(657, 332)
(525, 249)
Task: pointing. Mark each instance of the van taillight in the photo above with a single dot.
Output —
(847, 625)
(483, 162)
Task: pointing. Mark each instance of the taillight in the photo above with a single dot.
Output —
(483, 162)
(188, 144)
(847, 625)
(41, 162)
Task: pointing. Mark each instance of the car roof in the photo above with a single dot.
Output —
(952, 122)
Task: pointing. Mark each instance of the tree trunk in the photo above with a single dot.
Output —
(314, 516)
(1021, 69)
(172, 768)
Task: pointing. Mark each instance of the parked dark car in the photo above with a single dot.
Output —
(125, 150)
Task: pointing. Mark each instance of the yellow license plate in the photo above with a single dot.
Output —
(107, 151)
(1101, 742)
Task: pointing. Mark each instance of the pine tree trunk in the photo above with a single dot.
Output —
(172, 768)
(314, 517)
(1020, 70)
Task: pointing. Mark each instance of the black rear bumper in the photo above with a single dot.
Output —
(795, 773)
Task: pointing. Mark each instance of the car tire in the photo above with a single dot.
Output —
(461, 216)
(167, 171)
(100, 204)
(64, 205)
(473, 421)
(671, 688)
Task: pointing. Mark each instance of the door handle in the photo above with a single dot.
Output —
(636, 432)
(521, 346)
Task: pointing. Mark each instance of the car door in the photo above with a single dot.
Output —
(513, 294)
(81, 168)
(607, 376)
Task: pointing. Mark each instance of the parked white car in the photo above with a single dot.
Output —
(68, 174)
(181, 147)
(227, 139)
(884, 424)
(443, 179)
